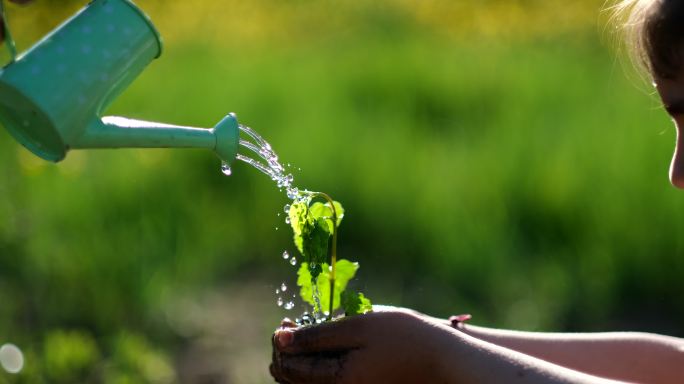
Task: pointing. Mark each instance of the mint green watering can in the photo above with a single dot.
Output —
(52, 96)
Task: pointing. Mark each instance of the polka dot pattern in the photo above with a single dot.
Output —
(68, 78)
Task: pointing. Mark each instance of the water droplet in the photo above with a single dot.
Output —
(289, 305)
(292, 193)
(286, 255)
(293, 261)
(225, 168)
(287, 220)
(279, 301)
(11, 358)
(277, 291)
(276, 228)
(286, 208)
(283, 287)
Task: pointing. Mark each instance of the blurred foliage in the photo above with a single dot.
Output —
(69, 356)
(492, 158)
(294, 22)
(135, 361)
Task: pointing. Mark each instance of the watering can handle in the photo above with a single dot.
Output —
(9, 42)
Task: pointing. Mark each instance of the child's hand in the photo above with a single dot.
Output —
(389, 345)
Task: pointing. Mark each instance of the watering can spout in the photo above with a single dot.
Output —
(121, 132)
(52, 96)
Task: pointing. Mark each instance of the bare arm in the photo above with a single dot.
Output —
(628, 356)
(480, 361)
(402, 347)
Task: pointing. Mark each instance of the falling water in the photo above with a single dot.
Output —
(266, 161)
(263, 157)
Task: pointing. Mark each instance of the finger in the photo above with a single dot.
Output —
(274, 368)
(287, 323)
(337, 335)
(437, 320)
(311, 369)
(275, 373)
(275, 359)
(391, 308)
(460, 318)
(274, 355)
(458, 321)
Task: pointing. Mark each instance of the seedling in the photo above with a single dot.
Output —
(323, 284)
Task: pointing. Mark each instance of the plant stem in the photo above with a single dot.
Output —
(333, 255)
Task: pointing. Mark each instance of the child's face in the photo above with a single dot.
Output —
(672, 93)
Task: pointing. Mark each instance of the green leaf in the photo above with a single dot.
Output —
(323, 210)
(355, 303)
(316, 243)
(311, 234)
(301, 223)
(305, 282)
(344, 271)
(312, 227)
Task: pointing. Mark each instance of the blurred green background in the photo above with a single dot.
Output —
(494, 157)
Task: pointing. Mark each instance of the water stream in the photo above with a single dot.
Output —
(263, 158)
(266, 161)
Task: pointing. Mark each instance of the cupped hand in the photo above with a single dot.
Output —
(389, 345)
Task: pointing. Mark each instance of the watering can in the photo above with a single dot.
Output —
(52, 96)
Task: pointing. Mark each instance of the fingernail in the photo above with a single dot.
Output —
(285, 338)
(459, 318)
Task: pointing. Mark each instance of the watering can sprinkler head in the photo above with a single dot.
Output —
(227, 134)
(52, 96)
